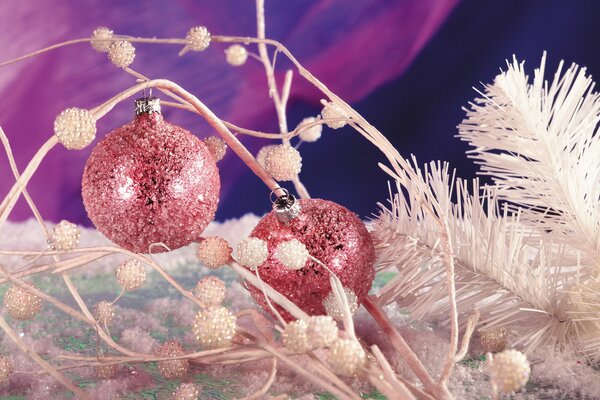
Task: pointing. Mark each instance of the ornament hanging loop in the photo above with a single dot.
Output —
(285, 207)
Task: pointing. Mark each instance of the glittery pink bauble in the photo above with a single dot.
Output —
(332, 234)
(151, 182)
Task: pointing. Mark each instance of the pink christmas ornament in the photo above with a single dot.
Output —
(150, 182)
(332, 234)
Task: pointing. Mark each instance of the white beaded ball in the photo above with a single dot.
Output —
(311, 134)
(283, 162)
(211, 291)
(101, 39)
(334, 111)
(292, 254)
(322, 331)
(121, 53)
(187, 391)
(346, 357)
(214, 252)
(65, 236)
(331, 305)
(214, 327)
(104, 312)
(262, 154)
(75, 128)
(295, 337)
(509, 370)
(236, 55)
(216, 146)
(198, 38)
(252, 252)
(131, 275)
(21, 304)
(6, 368)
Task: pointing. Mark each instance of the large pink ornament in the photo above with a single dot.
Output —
(151, 182)
(332, 234)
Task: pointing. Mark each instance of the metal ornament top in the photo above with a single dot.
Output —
(147, 105)
(286, 208)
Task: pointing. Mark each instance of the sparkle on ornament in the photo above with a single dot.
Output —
(493, 340)
(262, 154)
(346, 357)
(283, 162)
(101, 39)
(335, 112)
(171, 369)
(198, 38)
(292, 254)
(6, 368)
(322, 331)
(187, 391)
(121, 53)
(331, 304)
(65, 236)
(75, 128)
(252, 252)
(104, 312)
(236, 55)
(509, 370)
(21, 304)
(216, 146)
(106, 371)
(214, 252)
(131, 275)
(211, 291)
(295, 337)
(214, 327)
(311, 134)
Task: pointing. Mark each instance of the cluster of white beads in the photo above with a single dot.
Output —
(131, 275)
(331, 305)
(346, 357)
(21, 304)
(322, 331)
(509, 370)
(262, 154)
(211, 290)
(75, 128)
(283, 162)
(121, 53)
(171, 369)
(334, 111)
(101, 39)
(104, 312)
(214, 252)
(6, 368)
(252, 252)
(65, 236)
(310, 134)
(198, 38)
(236, 55)
(214, 327)
(186, 391)
(295, 337)
(216, 146)
(292, 254)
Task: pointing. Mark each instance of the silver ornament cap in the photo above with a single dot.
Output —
(147, 105)
(286, 207)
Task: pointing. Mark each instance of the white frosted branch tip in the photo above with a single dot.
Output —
(216, 146)
(131, 275)
(252, 252)
(332, 307)
(197, 39)
(346, 357)
(210, 290)
(121, 53)
(310, 134)
(65, 236)
(292, 254)
(335, 113)
(236, 55)
(214, 327)
(214, 252)
(509, 370)
(283, 162)
(75, 128)
(102, 39)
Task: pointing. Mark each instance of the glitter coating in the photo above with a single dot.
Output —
(332, 234)
(149, 182)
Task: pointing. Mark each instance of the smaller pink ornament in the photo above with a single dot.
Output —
(333, 235)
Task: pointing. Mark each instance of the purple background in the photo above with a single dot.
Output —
(407, 65)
